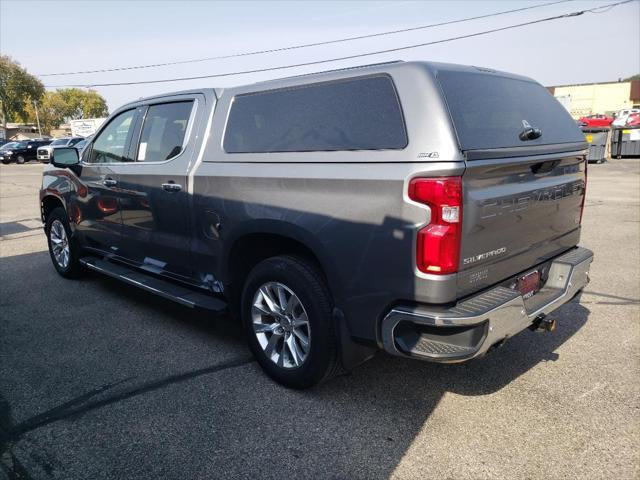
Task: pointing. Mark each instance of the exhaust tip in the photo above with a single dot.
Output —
(549, 324)
(543, 324)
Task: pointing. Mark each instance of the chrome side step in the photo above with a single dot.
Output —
(163, 288)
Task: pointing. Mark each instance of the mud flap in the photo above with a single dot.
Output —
(352, 353)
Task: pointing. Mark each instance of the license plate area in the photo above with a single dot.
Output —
(529, 284)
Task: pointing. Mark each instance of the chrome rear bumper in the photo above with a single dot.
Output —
(474, 325)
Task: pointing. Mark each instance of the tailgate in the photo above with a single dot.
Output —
(525, 174)
(518, 214)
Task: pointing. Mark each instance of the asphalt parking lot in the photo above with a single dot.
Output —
(100, 380)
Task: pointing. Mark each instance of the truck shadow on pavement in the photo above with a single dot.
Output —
(227, 419)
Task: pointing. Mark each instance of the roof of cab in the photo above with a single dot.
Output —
(169, 94)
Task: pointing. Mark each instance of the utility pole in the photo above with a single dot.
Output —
(35, 105)
(4, 122)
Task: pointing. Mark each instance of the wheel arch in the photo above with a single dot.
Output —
(50, 202)
(262, 239)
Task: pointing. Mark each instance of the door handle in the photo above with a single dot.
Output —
(171, 187)
(109, 182)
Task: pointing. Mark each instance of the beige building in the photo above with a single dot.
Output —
(63, 130)
(19, 131)
(609, 97)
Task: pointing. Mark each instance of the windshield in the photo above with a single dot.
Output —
(60, 141)
(491, 111)
(19, 145)
(9, 145)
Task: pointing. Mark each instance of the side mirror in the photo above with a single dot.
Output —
(64, 157)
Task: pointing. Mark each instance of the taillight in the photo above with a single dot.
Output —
(438, 246)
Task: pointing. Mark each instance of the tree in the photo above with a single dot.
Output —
(66, 104)
(51, 111)
(83, 104)
(634, 77)
(18, 89)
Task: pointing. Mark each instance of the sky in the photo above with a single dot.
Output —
(61, 36)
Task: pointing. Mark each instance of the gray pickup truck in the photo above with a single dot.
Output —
(430, 210)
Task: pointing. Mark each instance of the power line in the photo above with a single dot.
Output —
(606, 9)
(349, 57)
(307, 45)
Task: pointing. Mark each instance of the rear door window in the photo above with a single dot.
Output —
(163, 132)
(491, 111)
(354, 114)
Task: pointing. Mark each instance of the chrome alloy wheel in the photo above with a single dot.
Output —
(59, 243)
(281, 325)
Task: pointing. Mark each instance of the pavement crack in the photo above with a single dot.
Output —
(16, 236)
(77, 406)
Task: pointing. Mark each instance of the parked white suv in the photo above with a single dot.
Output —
(623, 115)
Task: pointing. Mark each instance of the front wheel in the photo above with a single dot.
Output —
(64, 252)
(20, 159)
(287, 317)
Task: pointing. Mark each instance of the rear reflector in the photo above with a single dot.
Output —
(438, 245)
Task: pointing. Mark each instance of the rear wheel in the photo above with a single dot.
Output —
(20, 159)
(64, 251)
(287, 317)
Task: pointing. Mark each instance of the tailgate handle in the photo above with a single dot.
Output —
(544, 167)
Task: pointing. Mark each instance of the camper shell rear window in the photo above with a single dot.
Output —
(490, 111)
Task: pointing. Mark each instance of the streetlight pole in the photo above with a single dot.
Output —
(35, 105)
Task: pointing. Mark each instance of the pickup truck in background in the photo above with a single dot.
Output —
(22, 151)
(429, 210)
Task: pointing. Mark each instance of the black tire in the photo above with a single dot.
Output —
(20, 160)
(73, 269)
(6, 162)
(302, 278)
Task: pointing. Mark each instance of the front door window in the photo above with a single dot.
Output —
(110, 145)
